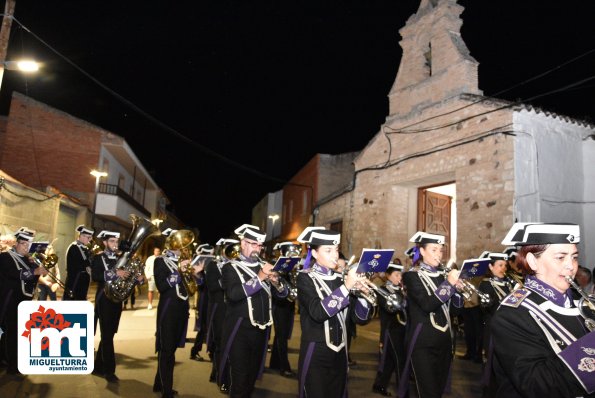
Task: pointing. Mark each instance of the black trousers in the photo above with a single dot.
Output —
(431, 364)
(172, 318)
(326, 375)
(283, 319)
(109, 319)
(245, 358)
(9, 337)
(394, 359)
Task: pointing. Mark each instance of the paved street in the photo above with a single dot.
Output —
(136, 365)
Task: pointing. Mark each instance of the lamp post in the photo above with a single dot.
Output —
(97, 174)
(24, 66)
(273, 217)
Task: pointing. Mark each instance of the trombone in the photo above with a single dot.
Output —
(47, 262)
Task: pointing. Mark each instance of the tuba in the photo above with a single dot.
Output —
(120, 289)
(182, 240)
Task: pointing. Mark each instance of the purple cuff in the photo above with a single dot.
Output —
(580, 359)
(110, 275)
(445, 291)
(174, 279)
(252, 286)
(26, 275)
(361, 309)
(200, 280)
(336, 301)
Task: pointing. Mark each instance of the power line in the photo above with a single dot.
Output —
(151, 118)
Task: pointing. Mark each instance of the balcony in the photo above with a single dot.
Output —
(116, 204)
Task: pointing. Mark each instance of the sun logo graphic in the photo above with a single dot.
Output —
(55, 337)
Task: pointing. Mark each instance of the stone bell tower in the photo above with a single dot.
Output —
(436, 63)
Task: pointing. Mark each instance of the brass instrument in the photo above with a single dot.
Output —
(93, 247)
(182, 240)
(277, 283)
(120, 289)
(293, 250)
(516, 278)
(586, 304)
(231, 251)
(468, 289)
(369, 296)
(47, 262)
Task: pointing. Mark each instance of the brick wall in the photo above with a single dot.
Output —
(381, 210)
(43, 146)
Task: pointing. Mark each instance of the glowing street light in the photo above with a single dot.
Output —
(25, 65)
(97, 174)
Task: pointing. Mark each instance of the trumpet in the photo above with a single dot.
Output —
(272, 278)
(467, 289)
(586, 304)
(47, 262)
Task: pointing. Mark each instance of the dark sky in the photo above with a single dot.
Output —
(270, 83)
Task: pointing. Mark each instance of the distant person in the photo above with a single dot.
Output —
(149, 269)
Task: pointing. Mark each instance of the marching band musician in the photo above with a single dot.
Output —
(107, 311)
(283, 314)
(543, 346)
(430, 296)
(172, 315)
(496, 286)
(324, 301)
(513, 271)
(18, 276)
(393, 323)
(78, 265)
(248, 317)
(216, 314)
(202, 303)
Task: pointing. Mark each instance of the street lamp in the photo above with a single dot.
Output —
(97, 174)
(25, 65)
(274, 217)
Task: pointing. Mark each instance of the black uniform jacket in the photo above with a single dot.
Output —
(102, 269)
(17, 281)
(314, 311)
(531, 359)
(237, 293)
(425, 305)
(78, 261)
(172, 311)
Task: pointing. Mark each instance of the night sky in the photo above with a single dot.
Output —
(268, 84)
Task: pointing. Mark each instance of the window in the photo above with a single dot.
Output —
(121, 182)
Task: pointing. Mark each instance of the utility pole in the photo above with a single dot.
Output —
(5, 34)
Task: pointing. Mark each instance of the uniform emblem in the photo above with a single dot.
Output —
(587, 365)
(332, 303)
(573, 238)
(515, 298)
(588, 350)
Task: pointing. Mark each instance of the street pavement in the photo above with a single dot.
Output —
(136, 363)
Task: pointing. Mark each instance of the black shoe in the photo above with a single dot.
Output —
(224, 388)
(112, 378)
(380, 390)
(212, 379)
(197, 357)
(287, 373)
(97, 372)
